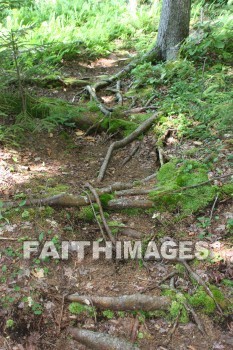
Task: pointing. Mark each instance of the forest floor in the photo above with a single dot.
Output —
(64, 160)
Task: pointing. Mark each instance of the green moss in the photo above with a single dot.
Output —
(77, 309)
(173, 177)
(133, 211)
(46, 212)
(86, 213)
(200, 299)
(56, 189)
(114, 125)
(105, 198)
(227, 189)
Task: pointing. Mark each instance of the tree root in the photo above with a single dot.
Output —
(139, 110)
(122, 143)
(125, 302)
(132, 153)
(92, 91)
(107, 229)
(100, 341)
(201, 282)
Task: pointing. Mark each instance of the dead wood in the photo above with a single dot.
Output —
(133, 192)
(107, 229)
(96, 217)
(100, 341)
(68, 201)
(129, 232)
(139, 110)
(122, 143)
(125, 203)
(200, 281)
(119, 97)
(92, 91)
(125, 302)
(132, 153)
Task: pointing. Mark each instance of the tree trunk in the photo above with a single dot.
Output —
(173, 28)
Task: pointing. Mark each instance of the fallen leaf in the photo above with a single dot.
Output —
(38, 273)
(79, 133)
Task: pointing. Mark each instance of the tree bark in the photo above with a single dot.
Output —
(173, 28)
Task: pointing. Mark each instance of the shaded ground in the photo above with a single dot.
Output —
(64, 161)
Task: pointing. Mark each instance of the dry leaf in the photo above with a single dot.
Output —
(38, 273)
(79, 133)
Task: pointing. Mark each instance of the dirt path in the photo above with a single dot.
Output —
(32, 291)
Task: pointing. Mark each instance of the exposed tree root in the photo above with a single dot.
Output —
(122, 143)
(201, 282)
(70, 200)
(96, 217)
(107, 229)
(125, 203)
(139, 110)
(132, 153)
(106, 111)
(125, 302)
(119, 97)
(100, 341)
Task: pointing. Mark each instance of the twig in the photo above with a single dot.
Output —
(132, 153)
(200, 281)
(95, 194)
(148, 178)
(61, 314)
(189, 308)
(172, 331)
(196, 185)
(150, 100)
(139, 110)
(122, 143)
(8, 239)
(212, 209)
(170, 275)
(93, 127)
(96, 218)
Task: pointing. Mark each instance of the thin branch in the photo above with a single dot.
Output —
(95, 194)
(122, 143)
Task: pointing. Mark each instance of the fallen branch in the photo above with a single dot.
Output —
(130, 156)
(133, 192)
(8, 239)
(196, 185)
(70, 200)
(95, 194)
(100, 341)
(150, 100)
(189, 308)
(96, 217)
(139, 110)
(125, 302)
(122, 143)
(200, 281)
(125, 203)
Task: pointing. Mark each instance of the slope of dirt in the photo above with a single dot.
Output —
(33, 291)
